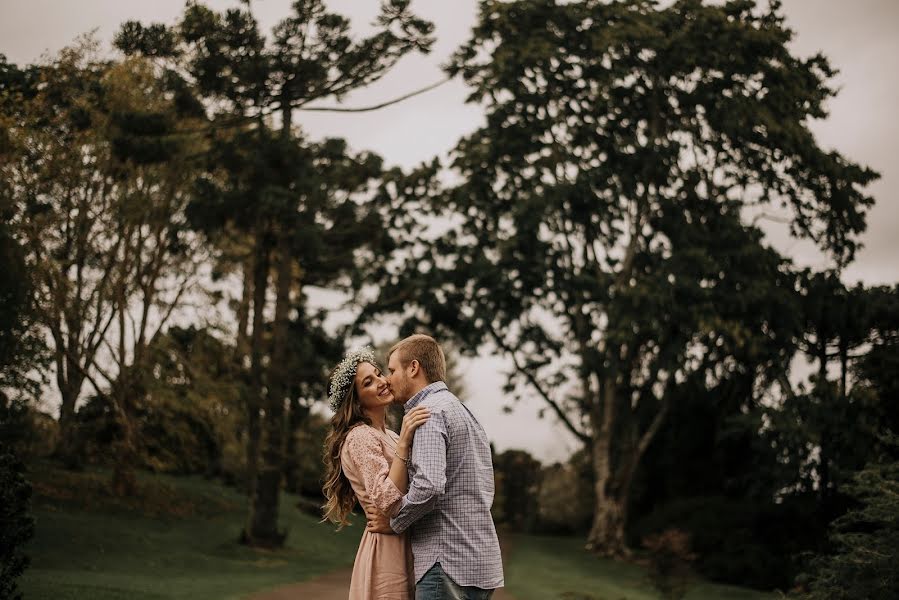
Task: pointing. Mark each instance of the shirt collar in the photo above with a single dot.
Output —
(423, 393)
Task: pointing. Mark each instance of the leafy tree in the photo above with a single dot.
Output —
(289, 197)
(837, 323)
(817, 453)
(103, 226)
(55, 200)
(157, 266)
(602, 243)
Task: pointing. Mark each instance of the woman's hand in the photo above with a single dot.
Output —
(411, 421)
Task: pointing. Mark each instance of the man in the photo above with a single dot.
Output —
(447, 507)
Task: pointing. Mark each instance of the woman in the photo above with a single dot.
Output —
(367, 462)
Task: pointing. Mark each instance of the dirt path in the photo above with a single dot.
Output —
(333, 586)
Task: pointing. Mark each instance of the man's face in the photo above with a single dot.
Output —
(397, 379)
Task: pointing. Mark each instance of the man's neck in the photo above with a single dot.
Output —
(417, 386)
(417, 393)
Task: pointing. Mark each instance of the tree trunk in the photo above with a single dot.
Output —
(243, 314)
(606, 536)
(124, 478)
(254, 396)
(295, 420)
(67, 445)
(824, 460)
(264, 512)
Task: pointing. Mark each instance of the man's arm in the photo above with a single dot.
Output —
(429, 482)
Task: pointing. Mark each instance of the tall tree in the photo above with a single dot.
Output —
(850, 338)
(59, 189)
(602, 242)
(245, 80)
(837, 323)
(156, 267)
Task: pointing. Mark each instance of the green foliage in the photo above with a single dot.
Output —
(193, 413)
(103, 226)
(810, 450)
(16, 523)
(192, 417)
(865, 540)
(311, 53)
(600, 232)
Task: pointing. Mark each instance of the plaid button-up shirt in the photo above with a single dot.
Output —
(447, 507)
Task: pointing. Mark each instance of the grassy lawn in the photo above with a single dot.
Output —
(177, 541)
(550, 568)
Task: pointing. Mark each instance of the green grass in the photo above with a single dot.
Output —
(558, 568)
(177, 541)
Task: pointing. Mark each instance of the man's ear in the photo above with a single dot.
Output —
(415, 367)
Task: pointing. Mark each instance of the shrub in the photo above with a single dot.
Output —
(16, 524)
(565, 498)
(737, 541)
(865, 541)
(669, 562)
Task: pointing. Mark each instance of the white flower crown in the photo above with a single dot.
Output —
(345, 374)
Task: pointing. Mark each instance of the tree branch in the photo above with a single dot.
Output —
(536, 385)
(376, 106)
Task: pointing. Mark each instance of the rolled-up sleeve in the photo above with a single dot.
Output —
(364, 449)
(428, 483)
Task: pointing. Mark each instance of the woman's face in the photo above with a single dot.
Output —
(371, 387)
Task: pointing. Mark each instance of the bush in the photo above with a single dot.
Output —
(517, 476)
(565, 499)
(669, 562)
(172, 437)
(740, 542)
(865, 541)
(16, 524)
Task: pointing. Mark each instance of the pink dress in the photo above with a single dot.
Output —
(383, 567)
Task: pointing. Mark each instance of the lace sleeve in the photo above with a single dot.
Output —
(364, 448)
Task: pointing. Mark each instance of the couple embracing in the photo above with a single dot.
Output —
(429, 533)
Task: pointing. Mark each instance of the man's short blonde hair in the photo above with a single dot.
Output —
(426, 351)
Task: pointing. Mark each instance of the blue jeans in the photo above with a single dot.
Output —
(437, 585)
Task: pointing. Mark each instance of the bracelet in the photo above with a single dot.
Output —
(405, 460)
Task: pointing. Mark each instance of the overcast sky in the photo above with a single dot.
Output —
(861, 39)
